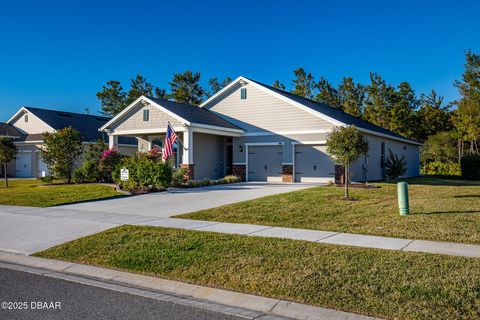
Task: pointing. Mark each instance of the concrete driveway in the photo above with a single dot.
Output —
(178, 201)
(27, 230)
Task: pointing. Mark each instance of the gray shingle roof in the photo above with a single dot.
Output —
(7, 130)
(86, 124)
(334, 113)
(194, 114)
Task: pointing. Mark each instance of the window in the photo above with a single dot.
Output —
(382, 156)
(26, 118)
(243, 93)
(146, 115)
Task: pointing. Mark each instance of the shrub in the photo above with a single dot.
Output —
(395, 166)
(442, 168)
(145, 174)
(89, 172)
(208, 182)
(109, 161)
(470, 167)
(180, 177)
(231, 179)
(47, 179)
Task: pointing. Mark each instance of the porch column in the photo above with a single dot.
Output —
(112, 141)
(187, 158)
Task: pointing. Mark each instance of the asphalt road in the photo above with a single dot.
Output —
(80, 301)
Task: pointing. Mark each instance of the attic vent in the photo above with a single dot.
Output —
(243, 93)
(100, 119)
(65, 115)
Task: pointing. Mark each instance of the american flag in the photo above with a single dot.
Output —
(170, 139)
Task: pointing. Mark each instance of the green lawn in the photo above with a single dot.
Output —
(442, 210)
(32, 193)
(382, 283)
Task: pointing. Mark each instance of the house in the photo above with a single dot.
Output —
(27, 126)
(259, 133)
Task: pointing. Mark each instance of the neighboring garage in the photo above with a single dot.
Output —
(312, 163)
(23, 165)
(264, 162)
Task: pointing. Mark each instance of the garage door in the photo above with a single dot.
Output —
(23, 165)
(265, 163)
(312, 164)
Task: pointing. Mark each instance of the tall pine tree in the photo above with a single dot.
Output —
(327, 94)
(185, 87)
(112, 98)
(467, 115)
(303, 84)
(278, 85)
(352, 96)
(138, 87)
(432, 117)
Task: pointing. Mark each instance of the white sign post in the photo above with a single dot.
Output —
(124, 174)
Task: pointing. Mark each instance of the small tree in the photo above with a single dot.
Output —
(60, 152)
(345, 145)
(7, 154)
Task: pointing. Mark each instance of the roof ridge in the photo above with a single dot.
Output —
(69, 112)
(322, 104)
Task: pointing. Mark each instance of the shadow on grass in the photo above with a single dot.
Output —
(453, 181)
(468, 196)
(446, 212)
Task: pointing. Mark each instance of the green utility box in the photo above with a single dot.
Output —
(402, 190)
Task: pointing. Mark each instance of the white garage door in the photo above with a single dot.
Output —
(265, 163)
(23, 165)
(313, 164)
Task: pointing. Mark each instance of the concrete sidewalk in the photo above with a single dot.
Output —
(243, 305)
(339, 238)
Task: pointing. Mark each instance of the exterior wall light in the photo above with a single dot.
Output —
(240, 149)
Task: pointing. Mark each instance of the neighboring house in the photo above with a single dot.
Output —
(259, 133)
(27, 126)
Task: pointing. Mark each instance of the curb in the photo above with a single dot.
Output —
(228, 302)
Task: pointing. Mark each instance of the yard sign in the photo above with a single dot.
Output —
(124, 174)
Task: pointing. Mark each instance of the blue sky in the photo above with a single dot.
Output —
(58, 54)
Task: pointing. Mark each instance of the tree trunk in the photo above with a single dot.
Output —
(5, 173)
(345, 180)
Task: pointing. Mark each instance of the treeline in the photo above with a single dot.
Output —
(449, 130)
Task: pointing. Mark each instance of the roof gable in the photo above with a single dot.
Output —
(333, 115)
(184, 113)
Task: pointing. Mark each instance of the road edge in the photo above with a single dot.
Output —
(228, 302)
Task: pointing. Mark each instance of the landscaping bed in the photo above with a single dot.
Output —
(442, 209)
(382, 283)
(34, 193)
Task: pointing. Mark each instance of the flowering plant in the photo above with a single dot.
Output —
(155, 153)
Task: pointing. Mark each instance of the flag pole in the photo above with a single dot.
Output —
(178, 138)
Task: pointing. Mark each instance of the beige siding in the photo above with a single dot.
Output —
(34, 124)
(263, 112)
(133, 120)
(372, 163)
